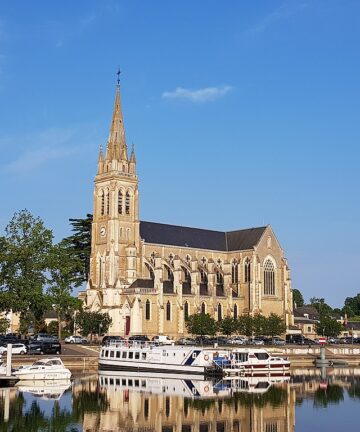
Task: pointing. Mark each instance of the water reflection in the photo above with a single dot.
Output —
(135, 403)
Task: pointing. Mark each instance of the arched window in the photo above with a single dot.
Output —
(186, 310)
(186, 281)
(147, 310)
(168, 311)
(247, 270)
(219, 312)
(168, 282)
(219, 283)
(102, 203)
(120, 202)
(108, 203)
(235, 312)
(269, 278)
(203, 283)
(235, 272)
(100, 271)
(127, 203)
(203, 308)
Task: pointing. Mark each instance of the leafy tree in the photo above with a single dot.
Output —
(79, 246)
(91, 323)
(63, 280)
(352, 306)
(53, 327)
(245, 325)
(328, 327)
(298, 298)
(4, 325)
(274, 325)
(259, 325)
(228, 326)
(201, 325)
(319, 304)
(24, 265)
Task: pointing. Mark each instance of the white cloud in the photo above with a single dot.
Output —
(286, 10)
(201, 95)
(41, 147)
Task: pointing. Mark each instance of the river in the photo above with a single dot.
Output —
(309, 400)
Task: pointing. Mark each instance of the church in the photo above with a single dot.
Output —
(151, 276)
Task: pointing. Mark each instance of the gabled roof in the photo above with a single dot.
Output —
(310, 311)
(197, 238)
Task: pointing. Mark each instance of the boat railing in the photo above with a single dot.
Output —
(127, 344)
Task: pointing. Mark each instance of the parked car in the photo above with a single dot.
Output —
(107, 339)
(44, 347)
(139, 338)
(162, 340)
(203, 340)
(257, 341)
(278, 341)
(238, 340)
(45, 338)
(75, 340)
(186, 341)
(17, 348)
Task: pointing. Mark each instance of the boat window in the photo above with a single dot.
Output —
(117, 382)
(262, 355)
(143, 356)
(106, 353)
(102, 353)
(131, 354)
(111, 381)
(241, 357)
(112, 354)
(124, 354)
(137, 355)
(136, 383)
(130, 383)
(143, 383)
(123, 382)
(117, 354)
(262, 385)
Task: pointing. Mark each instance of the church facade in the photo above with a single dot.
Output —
(150, 276)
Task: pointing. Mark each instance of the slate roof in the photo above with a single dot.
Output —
(309, 310)
(174, 235)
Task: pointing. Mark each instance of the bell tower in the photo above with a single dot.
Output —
(115, 229)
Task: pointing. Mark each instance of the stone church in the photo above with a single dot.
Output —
(151, 276)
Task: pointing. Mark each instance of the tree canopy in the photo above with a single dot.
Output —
(298, 298)
(201, 325)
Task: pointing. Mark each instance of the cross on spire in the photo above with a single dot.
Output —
(118, 75)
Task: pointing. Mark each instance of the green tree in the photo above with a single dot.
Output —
(298, 299)
(91, 323)
(328, 327)
(352, 306)
(259, 324)
(245, 325)
(274, 325)
(201, 325)
(4, 325)
(228, 326)
(319, 304)
(62, 282)
(24, 266)
(79, 246)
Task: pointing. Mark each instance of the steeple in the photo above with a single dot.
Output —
(116, 146)
(101, 155)
(132, 157)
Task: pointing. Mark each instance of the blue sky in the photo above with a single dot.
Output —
(242, 113)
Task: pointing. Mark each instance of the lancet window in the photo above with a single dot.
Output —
(269, 278)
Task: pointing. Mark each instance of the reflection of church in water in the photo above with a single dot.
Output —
(162, 405)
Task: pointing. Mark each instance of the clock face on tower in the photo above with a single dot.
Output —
(102, 231)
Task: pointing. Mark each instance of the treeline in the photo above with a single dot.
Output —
(38, 275)
(246, 325)
(351, 306)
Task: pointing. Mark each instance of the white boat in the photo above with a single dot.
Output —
(251, 384)
(47, 390)
(252, 361)
(45, 369)
(191, 388)
(150, 359)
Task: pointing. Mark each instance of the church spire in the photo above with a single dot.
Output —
(116, 146)
(132, 157)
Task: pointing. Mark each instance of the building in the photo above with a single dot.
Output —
(306, 318)
(150, 276)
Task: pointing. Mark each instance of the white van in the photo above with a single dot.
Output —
(162, 340)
